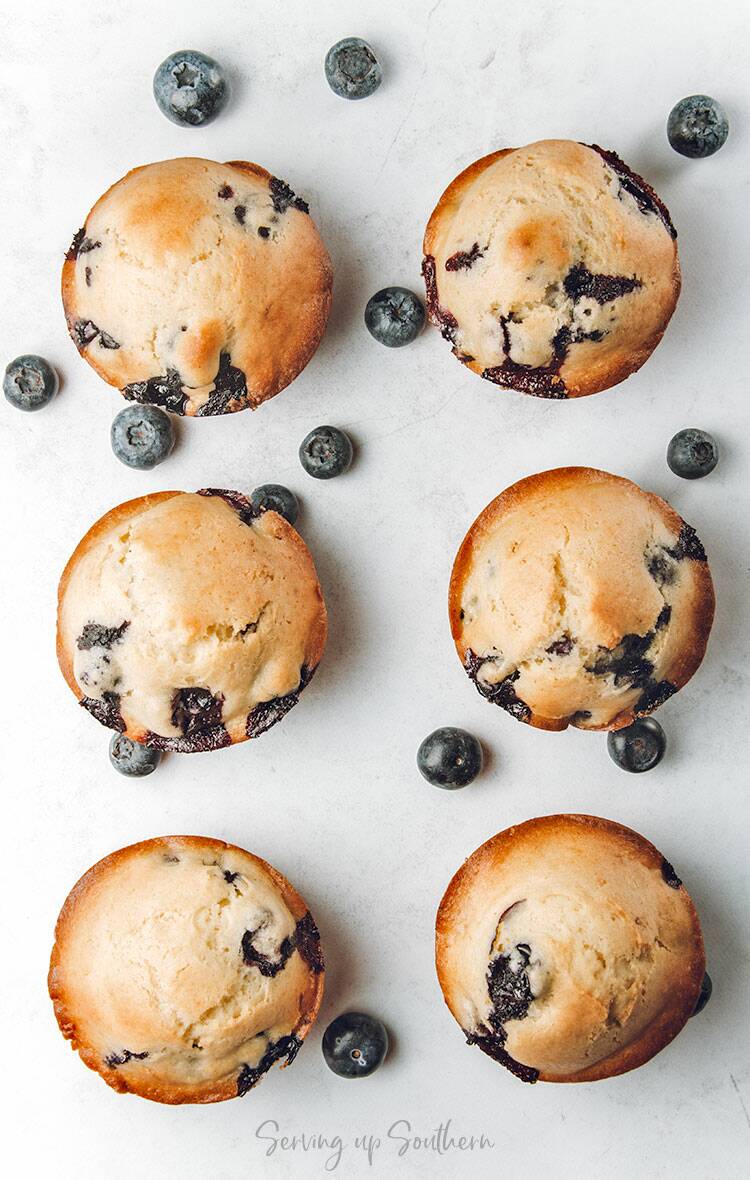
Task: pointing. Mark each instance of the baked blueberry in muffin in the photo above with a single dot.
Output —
(568, 949)
(576, 598)
(551, 269)
(184, 968)
(199, 287)
(190, 621)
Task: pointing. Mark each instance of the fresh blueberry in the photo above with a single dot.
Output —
(354, 1044)
(352, 69)
(30, 382)
(142, 436)
(326, 452)
(450, 758)
(639, 746)
(704, 995)
(692, 453)
(697, 126)
(190, 88)
(276, 498)
(394, 316)
(130, 758)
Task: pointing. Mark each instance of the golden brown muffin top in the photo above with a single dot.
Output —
(189, 621)
(198, 286)
(183, 968)
(551, 268)
(568, 949)
(578, 598)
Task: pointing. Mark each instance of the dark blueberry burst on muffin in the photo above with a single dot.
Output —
(551, 269)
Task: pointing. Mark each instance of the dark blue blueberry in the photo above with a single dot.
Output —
(190, 88)
(639, 746)
(394, 316)
(704, 995)
(697, 126)
(142, 436)
(692, 453)
(450, 758)
(354, 1044)
(30, 382)
(275, 497)
(352, 69)
(326, 452)
(130, 758)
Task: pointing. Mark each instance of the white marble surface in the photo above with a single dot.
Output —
(332, 795)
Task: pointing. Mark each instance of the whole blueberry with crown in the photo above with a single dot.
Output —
(352, 70)
(190, 88)
(697, 126)
(394, 316)
(30, 382)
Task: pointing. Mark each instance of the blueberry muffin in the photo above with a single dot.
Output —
(576, 598)
(190, 621)
(551, 269)
(568, 950)
(184, 968)
(200, 287)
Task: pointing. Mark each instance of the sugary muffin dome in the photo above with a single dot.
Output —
(198, 286)
(190, 621)
(567, 949)
(183, 968)
(552, 268)
(577, 598)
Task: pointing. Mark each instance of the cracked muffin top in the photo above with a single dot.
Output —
(200, 287)
(576, 598)
(190, 621)
(552, 269)
(184, 968)
(568, 950)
